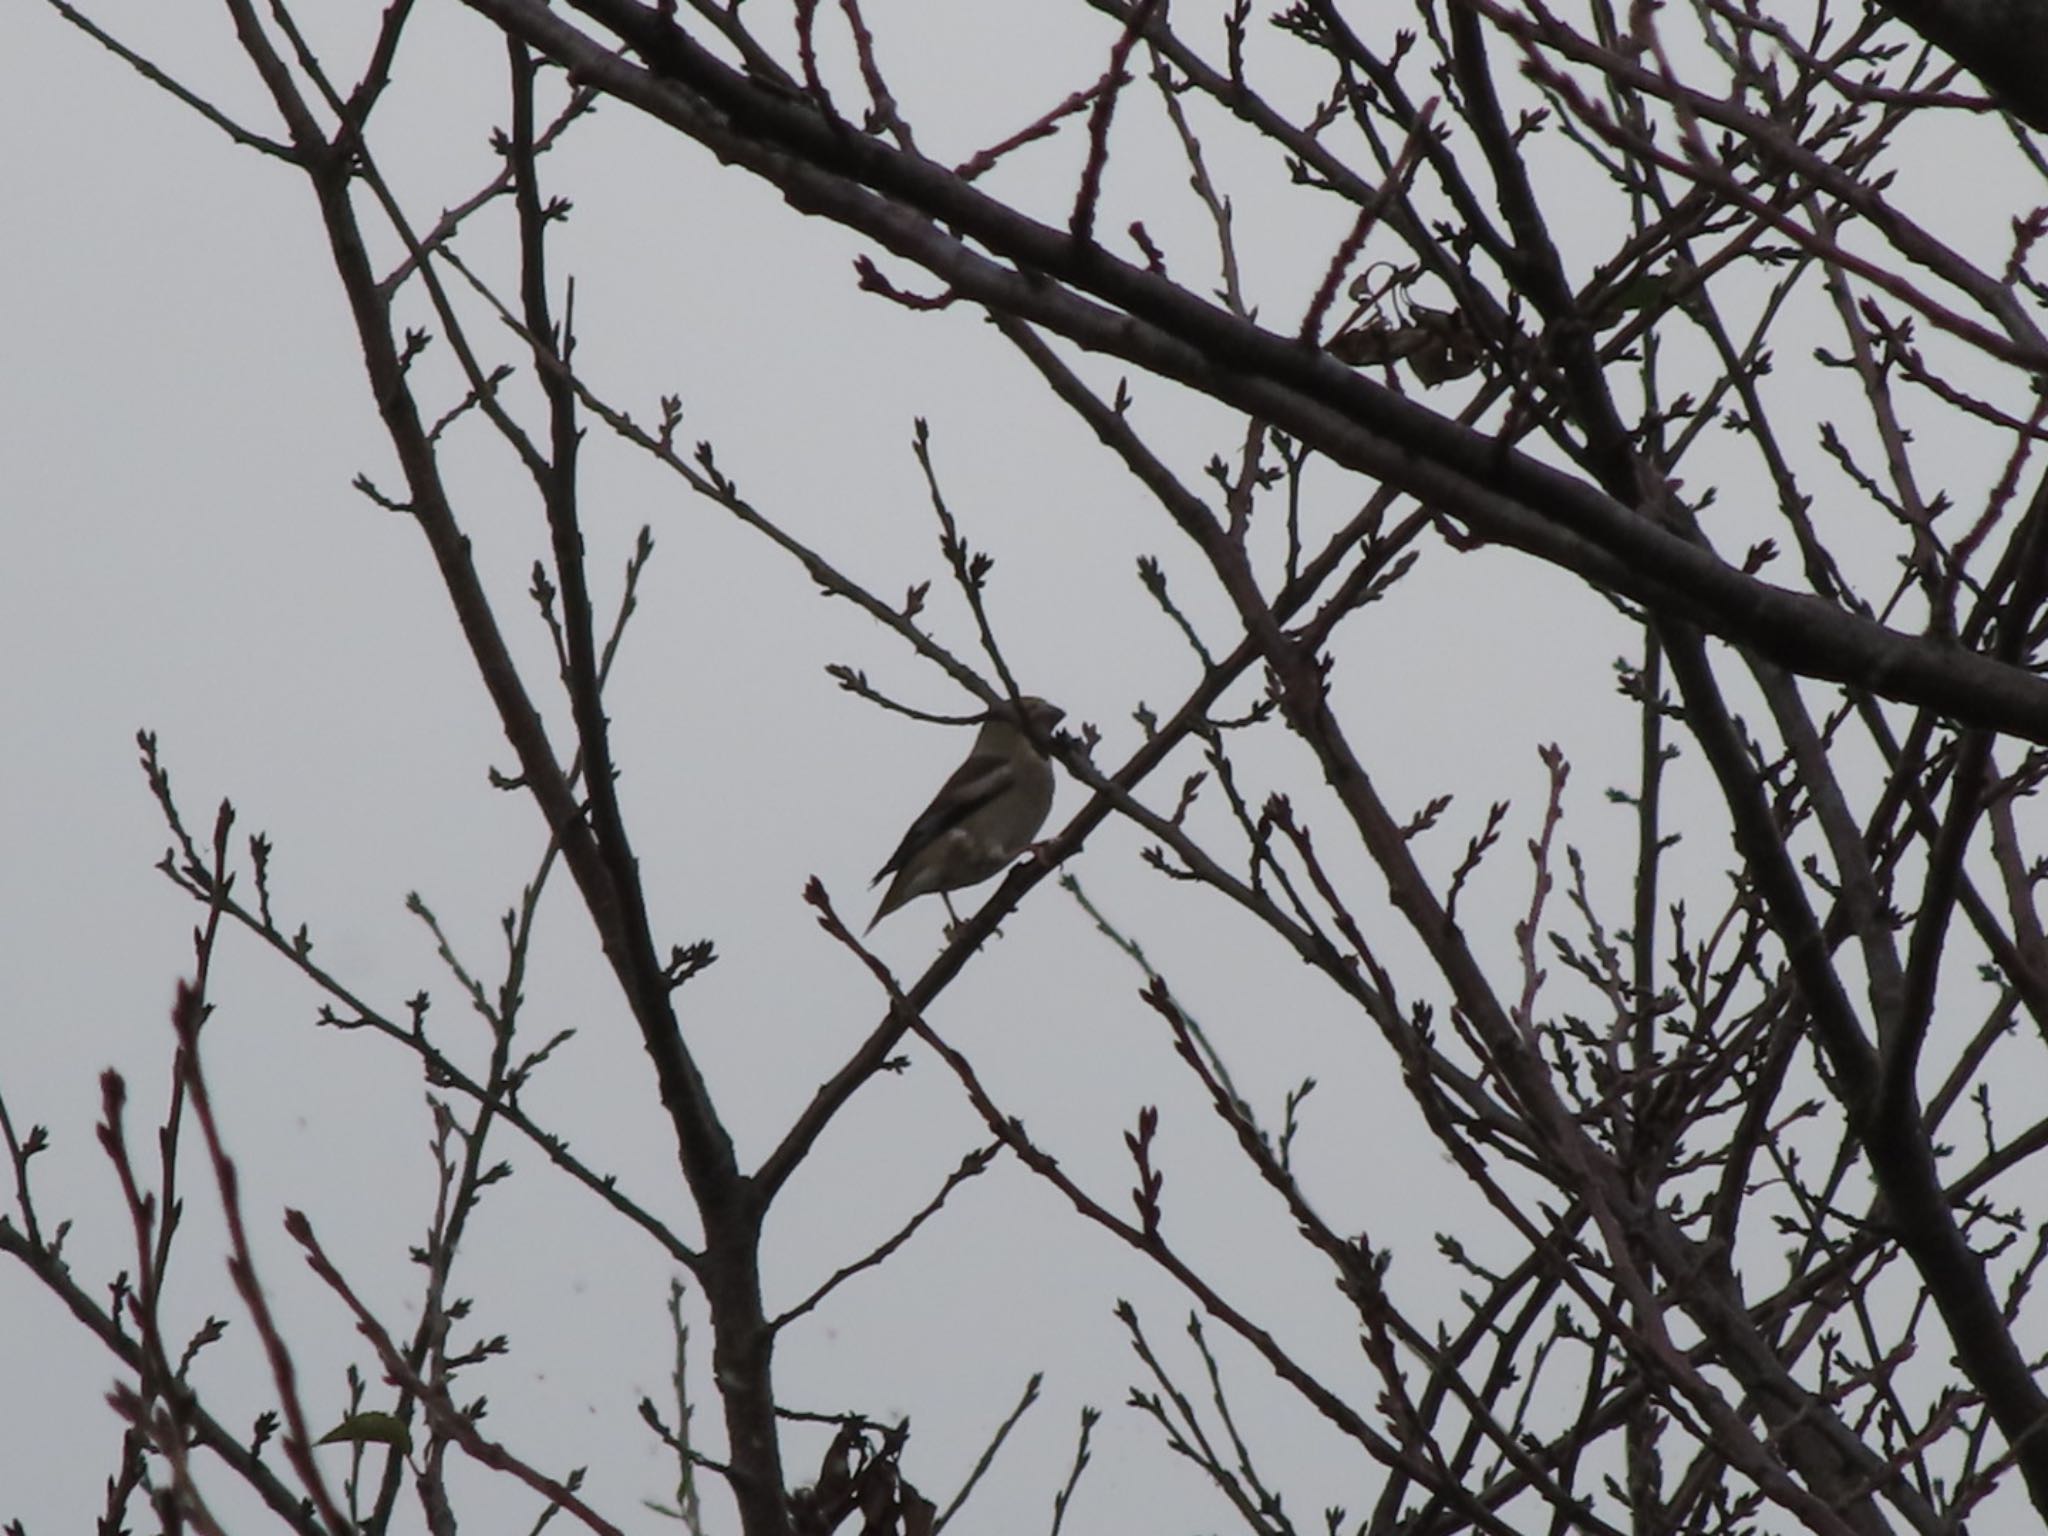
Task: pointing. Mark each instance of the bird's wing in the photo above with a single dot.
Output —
(983, 777)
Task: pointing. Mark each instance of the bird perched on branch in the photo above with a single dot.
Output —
(984, 816)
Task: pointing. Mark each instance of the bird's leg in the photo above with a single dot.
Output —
(954, 926)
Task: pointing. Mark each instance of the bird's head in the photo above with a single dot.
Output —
(1040, 716)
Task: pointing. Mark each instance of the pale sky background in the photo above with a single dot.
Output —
(182, 409)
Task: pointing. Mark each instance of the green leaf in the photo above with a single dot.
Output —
(371, 1427)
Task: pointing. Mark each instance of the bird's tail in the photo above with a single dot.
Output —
(891, 900)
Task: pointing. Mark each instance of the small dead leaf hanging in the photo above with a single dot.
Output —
(1389, 327)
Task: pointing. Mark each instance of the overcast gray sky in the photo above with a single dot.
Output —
(182, 410)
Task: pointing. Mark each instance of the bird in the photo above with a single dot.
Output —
(983, 816)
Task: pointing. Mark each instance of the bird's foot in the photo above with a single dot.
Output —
(952, 931)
